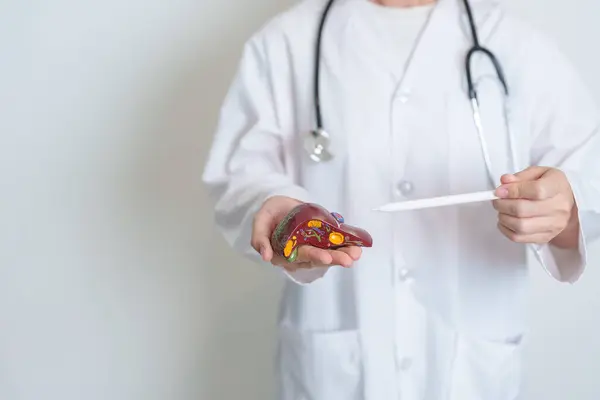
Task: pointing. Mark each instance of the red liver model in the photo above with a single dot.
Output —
(311, 224)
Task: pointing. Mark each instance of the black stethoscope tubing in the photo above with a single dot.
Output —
(475, 48)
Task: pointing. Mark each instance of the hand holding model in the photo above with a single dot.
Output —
(294, 235)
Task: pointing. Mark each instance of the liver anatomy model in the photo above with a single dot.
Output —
(310, 224)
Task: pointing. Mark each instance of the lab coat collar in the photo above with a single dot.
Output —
(485, 12)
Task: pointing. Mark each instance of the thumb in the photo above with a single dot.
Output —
(523, 184)
(261, 233)
(508, 178)
(529, 190)
(531, 173)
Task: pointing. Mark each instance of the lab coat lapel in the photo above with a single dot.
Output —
(440, 55)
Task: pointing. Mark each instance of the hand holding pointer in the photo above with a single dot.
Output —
(537, 206)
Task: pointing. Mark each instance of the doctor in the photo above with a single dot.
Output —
(437, 308)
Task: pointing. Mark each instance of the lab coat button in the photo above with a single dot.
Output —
(405, 188)
(404, 275)
(353, 358)
(405, 364)
(404, 96)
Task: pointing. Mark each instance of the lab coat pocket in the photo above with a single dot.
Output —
(486, 370)
(319, 366)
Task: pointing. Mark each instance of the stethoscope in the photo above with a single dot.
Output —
(317, 143)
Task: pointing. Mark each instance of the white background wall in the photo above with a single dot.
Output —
(113, 285)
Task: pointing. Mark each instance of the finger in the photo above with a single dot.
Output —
(538, 238)
(314, 255)
(508, 178)
(527, 226)
(524, 208)
(530, 190)
(341, 258)
(279, 261)
(309, 256)
(261, 232)
(354, 252)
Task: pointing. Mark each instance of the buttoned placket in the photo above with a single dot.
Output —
(409, 314)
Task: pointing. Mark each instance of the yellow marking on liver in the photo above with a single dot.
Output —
(289, 246)
(315, 224)
(336, 238)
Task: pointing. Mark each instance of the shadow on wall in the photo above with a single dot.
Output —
(225, 306)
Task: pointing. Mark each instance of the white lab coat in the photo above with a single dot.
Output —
(437, 308)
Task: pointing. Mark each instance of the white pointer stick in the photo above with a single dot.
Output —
(438, 201)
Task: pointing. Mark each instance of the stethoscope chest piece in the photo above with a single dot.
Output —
(316, 144)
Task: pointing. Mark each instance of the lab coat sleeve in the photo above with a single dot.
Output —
(245, 164)
(566, 127)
